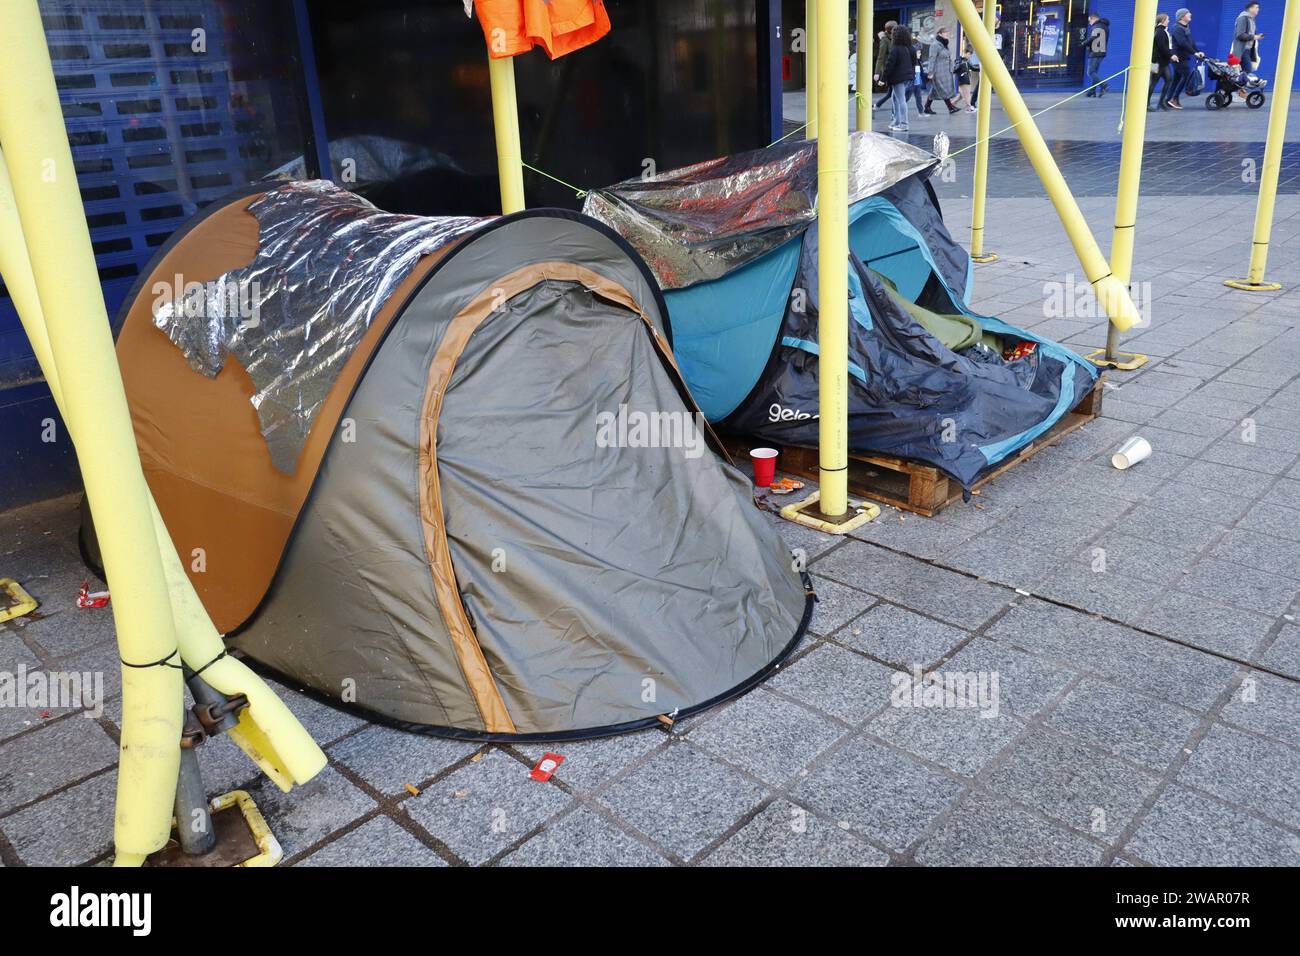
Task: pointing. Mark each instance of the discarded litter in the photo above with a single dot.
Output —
(784, 486)
(546, 767)
(87, 598)
(764, 460)
(412, 790)
(1134, 450)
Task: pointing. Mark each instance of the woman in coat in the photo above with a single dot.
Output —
(1162, 71)
(941, 79)
(899, 74)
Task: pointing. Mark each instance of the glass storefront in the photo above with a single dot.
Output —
(1042, 40)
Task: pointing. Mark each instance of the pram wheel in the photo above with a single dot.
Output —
(1254, 99)
(1218, 100)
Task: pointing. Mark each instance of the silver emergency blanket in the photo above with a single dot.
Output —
(327, 261)
(369, 159)
(699, 222)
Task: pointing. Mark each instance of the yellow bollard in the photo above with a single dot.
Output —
(1130, 175)
(983, 113)
(1112, 295)
(810, 67)
(1281, 87)
(866, 51)
(48, 205)
(505, 118)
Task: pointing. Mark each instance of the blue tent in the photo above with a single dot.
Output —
(733, 243)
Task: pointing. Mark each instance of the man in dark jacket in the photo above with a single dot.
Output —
(1098, 37)
(1185, 54)
(1162, 52)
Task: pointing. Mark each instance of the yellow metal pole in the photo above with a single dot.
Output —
(267, 732)
(1136, 98)
(48, 205)
(1112, 295)
(984, 111)
(1286, 55)
(810, 67)
(505, 117)
(866, 51)
(833, 255)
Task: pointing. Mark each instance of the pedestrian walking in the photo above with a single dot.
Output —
(920, 77)
(1098, 37)
(1185, 54)
(1162, 71)
(962, 71)
(942, 81)
(1245, 41)
(884, 40)
(899, 74)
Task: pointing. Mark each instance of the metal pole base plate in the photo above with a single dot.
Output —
(243, 838)
(1124, 361)
(1245, 285)
(807, 514)
(986, 257)
(14, 601)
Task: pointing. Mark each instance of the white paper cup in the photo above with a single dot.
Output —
(1134, 450)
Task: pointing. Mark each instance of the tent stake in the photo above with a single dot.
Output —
(1286, 54)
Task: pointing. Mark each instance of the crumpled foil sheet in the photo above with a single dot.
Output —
(699, 222)
(326, 263)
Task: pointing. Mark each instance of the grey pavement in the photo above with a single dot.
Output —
(1123, 645)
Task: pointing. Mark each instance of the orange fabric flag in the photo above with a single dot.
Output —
(512, 27)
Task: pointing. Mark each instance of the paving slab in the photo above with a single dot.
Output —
(312, 811)
(1185, 828)
(377, 842)
(837, 682)
(767, 735)
(902, 638)
(589, 764)
(1073, 783)
(485, 806)
(1244, 769)
(583, 838)
(389, 759)
(785, 835)
(879, 792)
(683, 799)
(988, 831)
(37, 763)
(68, 829)
(1131, 725)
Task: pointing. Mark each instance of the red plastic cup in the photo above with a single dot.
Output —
(764, 460)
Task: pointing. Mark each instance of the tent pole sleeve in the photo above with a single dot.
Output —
(505, 118)
(810, 67)
(833, 255)
(984, 111)
(866, 51)
(1277, 115)
(1112, 295)
(49, 208)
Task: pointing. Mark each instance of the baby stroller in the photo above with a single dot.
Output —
(1228, 78)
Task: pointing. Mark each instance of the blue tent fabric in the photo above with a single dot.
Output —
(745, 335)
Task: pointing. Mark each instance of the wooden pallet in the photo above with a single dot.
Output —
(912, 485)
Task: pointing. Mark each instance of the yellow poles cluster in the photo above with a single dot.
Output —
(48, 266)
(1277, 112)
(505, 119)
(811, 66)
(833, 254)
(1112, 295)
(984, 111)
(48, 208)
(866, 53)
